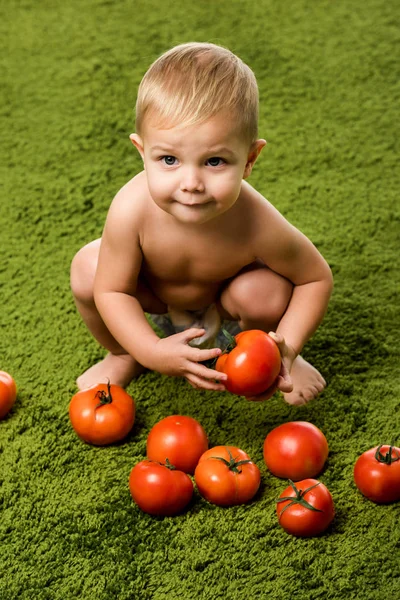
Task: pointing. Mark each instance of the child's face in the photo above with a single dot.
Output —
(195, 172)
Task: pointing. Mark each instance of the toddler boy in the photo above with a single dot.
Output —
(188, 238)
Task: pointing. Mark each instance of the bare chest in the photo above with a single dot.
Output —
(194, 259)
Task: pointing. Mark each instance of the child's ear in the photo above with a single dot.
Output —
(254, 152)
(138, 143)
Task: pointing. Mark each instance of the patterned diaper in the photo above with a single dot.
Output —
(209, 319)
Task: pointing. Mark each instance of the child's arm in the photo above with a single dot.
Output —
(290, 253)
(313, 284)
(116, 279)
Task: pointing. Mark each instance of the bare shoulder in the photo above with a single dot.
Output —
(260, 212)
(130, 201)
(120, 251)
(128, 208)
(283, 247)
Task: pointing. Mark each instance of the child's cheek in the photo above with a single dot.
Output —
(159, 188)
(228, 189)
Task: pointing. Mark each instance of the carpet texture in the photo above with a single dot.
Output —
(329, 84)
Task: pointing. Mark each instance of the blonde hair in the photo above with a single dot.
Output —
(193, 82)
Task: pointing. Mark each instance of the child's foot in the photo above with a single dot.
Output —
(307, 383)
(120, 369)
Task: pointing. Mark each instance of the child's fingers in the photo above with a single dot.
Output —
(196, 387)
(206, 373)
(264, 395)
(277, 337)
(285, 384)
(190, 334)
(199, 370)
(279, 341)
(285, 350)
(201, 355)
(201, 383)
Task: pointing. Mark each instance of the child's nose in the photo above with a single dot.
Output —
(191, 181)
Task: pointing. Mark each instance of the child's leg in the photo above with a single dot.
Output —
(118, 366)
(257, 298)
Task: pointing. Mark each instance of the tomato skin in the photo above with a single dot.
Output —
(180, 439)
(295, 450)
(8, 393)
(378, 481)
(301, 521)
(253, 365)
(101, 423)
(160, 490)
(221, 485)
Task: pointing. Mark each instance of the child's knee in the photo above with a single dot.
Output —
(83, 269)
(260, 295)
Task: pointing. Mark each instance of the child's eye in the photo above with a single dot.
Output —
(215, 161)
(168, 160)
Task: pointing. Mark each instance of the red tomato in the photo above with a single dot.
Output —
(180, 440)
(305, 508)
(295, 450)
(102, 414)
(160, 489)
(8, 393)
(226, 476)
(377, 474)
(252, 364)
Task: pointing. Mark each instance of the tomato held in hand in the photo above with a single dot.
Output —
(226, 476)
(102, 414)
(295, 450)
(160, 489)
(8, 393)
(178, 439)
(377, 474)
(252, 362)
(305, 508)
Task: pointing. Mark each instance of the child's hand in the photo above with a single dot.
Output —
(175, 357)
(284, 381)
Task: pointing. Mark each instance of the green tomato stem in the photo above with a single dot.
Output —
(231, 341)
(299, 498)
(232, 463)
(387, 458)
(104, 398)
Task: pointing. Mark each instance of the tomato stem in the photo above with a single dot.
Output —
(387, 458)
(231, 341)
(232, 463)
(169, 465)
(211, 362)
(299, 498)
(104, 398)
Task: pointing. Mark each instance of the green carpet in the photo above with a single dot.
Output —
(329, 82)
